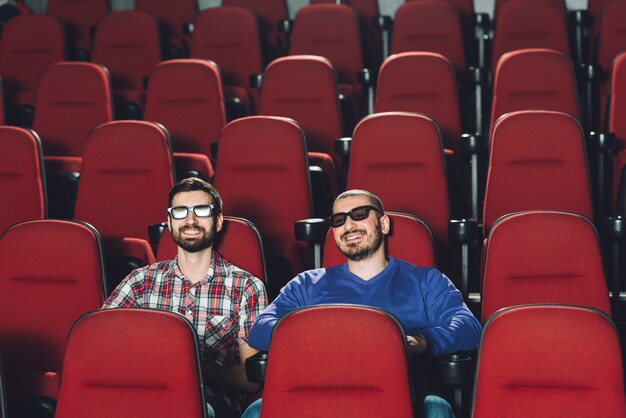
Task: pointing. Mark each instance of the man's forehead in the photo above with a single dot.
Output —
(195, 196)
(350, 202)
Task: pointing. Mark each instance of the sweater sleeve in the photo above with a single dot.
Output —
(454, 327)
(292, 296)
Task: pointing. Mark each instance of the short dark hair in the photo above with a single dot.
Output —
(374, 200)
(192, 184)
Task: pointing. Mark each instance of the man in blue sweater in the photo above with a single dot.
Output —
(424, 300)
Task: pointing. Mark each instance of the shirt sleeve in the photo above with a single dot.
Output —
(454, 326)
(126, 294)
(253, 302)
(292, 296)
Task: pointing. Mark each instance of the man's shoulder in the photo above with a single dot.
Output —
(406, 267)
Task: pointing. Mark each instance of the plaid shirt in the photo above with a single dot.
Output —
(222, 307)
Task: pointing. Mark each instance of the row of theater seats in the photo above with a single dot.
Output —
(537, 161)
(564, 266)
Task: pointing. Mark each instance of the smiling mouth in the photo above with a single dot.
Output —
(353, 235)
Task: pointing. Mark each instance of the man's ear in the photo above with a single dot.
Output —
(169, 224)
(219, 220)
(385, 224)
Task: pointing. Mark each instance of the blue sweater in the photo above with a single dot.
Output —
(422, 298)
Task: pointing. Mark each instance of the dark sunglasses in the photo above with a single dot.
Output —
(200, 211)
(356, 214)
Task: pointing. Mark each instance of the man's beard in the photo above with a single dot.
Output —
(193, 246)
(362, 252)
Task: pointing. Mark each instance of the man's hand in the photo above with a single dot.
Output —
(416, 344)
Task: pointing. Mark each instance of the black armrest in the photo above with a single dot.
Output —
(601, 144)
(384, 25)
(579, 21)
(481, 23)
(154, 233)
(188, 28)
(456, 369)
(473, 147)
(255, 80)
(256, 366)
(383, 22)
(464, 232)
(615, 230)
(343, 145)
(312, 230)
(285, 26)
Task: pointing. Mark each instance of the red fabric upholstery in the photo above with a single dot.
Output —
(229, 36)
(410, 239)
(543, 257)
(465, 7)
(131, 363)
(73, 98)
(430, 26)
(127, 42)
(391, 150)
(534, 79)
(29, 44)
(262, 175)
(422, 82)
(522, 24)
(549, 361)
(332, 31)
(21, 177)
(304, 88)
(612, 36)
(172, 15)
(239, 241)
(52, 273)
(537, 163)
(313, 367)
(186, 97)
(126, 178)
(79, 18)
(269, 13)
(617, 123)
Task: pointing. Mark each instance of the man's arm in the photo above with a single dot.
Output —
(234, 377)
(292, 296)
(454, 326)
(124, 295)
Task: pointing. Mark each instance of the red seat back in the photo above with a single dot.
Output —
(534, 79)
(29, 44)
(22, 183)
(543, 257)
(126, 178)
(262, 164)
(304, 88)
(239, 241)
(337, 385)
(131, 372)
(58, 266)
(422, 82)
(537, 162)
(186, 97)
(430, 26)
(532, 363)
(79, 19)
(128, 44)
(391, 150)
(617, 123)
(73, 98)
(410, 240)
(523, 24)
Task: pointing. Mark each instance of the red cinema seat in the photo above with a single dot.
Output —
(123, 375)
(124, 186)
(56, 268)
(543, 257)
(80, 19)
(229, 36)
(531, 362)
(338, 385)
(616, 123)
(22, 180)
(186, 97)
(172, 15)
(128, 44)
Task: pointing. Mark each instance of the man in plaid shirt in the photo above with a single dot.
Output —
(221, 300)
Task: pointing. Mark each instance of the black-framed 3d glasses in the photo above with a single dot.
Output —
(356, 214)
(200, 211)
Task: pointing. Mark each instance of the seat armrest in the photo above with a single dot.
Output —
(255, 80)
(456, 369)
(312, 230)
(256, 366)
(285, 26)
(154, 233)
(464, 232)
(342, 146)
(383, 22)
